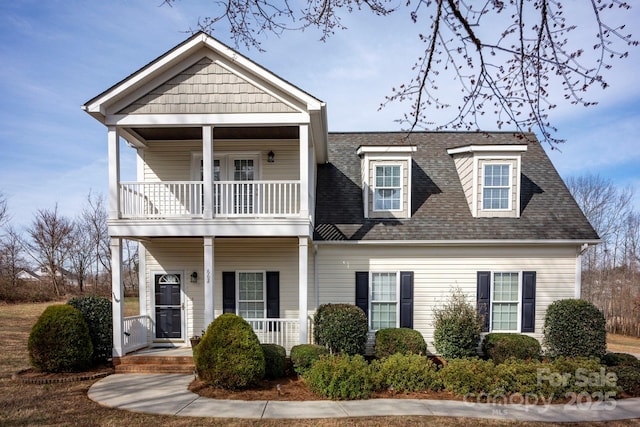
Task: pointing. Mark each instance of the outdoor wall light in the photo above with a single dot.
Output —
(271, 157)
(194, 277)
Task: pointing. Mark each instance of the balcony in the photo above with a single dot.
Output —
(231, 199)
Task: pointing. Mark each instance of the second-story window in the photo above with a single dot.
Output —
(496, 187)
(388, 187)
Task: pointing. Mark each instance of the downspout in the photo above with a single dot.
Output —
(578, 287)
(316, 287)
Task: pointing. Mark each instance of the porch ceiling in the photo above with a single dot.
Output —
(195, 133)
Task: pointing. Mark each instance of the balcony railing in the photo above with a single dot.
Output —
(174, 199)
(136, 332)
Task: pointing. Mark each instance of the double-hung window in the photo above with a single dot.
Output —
(496, 187)
(251, 295)
(387, 193)
(384, 300)
(504, 304)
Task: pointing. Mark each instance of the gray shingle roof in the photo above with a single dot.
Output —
(440, 210)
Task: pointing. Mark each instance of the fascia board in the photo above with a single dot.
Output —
(476, 242)
(487, 148)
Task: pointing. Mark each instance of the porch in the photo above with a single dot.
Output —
(137, 331)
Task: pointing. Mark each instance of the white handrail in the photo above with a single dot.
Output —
(284, 332)
(136, 332)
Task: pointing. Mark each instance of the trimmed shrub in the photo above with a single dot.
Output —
(500, 347)
(97, 312)
(275, 361)
(406, 372)
(399, 340)
(457, 327)
(518, 376)
(303, 356)
(574, 328)
(618, 359)
(575, 375)
(342, 377)
(342, 328)
(628, 378)
(469, 375)
(229, 355)
(60, 341)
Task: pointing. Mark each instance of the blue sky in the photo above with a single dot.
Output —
(56, 55)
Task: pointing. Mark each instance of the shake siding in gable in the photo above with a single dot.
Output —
(207, 87)
(438, 270)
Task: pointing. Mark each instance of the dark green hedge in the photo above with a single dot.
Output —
(229, 355)
(399, 340)
(303, 356)
(342, 328)
(574, 328)
(98, 313)
(60, 341)
(275, 361)
(500, 347)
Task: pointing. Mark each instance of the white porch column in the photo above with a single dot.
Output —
(113, 139)
(117, 294)
(209, 282)
(303, 265)
(142, 279)
(207, 170)
(304, 171)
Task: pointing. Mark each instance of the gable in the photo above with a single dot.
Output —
(206, 87)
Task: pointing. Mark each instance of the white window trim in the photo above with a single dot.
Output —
(374, 166)
(496, 159)
(369, 160)
(264, 291)
(519, 308)
(371, 302)
(510, 186)
(226, 163)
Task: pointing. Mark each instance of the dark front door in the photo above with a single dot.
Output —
(168, 306)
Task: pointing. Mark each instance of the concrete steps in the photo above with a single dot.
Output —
(140, 364)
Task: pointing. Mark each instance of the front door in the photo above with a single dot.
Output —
(168, 306)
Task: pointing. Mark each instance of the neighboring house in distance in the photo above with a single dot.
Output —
(245, 203)
(28, 275)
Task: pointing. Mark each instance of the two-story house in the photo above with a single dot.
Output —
(245, 203)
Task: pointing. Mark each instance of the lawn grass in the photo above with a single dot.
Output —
(67, 404)
(623, 344)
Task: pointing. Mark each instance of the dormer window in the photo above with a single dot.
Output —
(386, 180)
(496, 187)
(387, 191)
(490, 178)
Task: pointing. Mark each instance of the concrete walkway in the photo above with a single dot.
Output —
(168, 394)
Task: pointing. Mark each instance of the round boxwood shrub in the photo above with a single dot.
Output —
(500, 347)
(628, 378)
(98, 314)
(60, 341)
(341, 377)
(275, 361)
(342, 328)
(457, 327)
(229, 355)
(617, 359)
(574, 327)
(303, 356)
(399, 340)
(406, 373)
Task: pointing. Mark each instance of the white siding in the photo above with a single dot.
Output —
(230, 254)
(437, 270)
(464, 166)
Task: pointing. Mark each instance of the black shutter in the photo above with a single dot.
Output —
(273, 294)
(484, 297)
(362, 291)
(406, 299)
(528, 301)
(228, 292)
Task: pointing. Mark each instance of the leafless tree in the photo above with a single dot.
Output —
(12, 260)
(81, 251)
(130, 263)
(50, 243)
(508, 57)
(94, 217)
(611, 270)
(4, 210)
